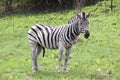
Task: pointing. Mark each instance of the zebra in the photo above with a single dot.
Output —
(43, 36)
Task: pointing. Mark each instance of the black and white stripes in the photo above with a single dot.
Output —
(49, 36)
(43, 36)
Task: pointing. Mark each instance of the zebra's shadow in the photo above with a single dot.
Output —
(47, 75)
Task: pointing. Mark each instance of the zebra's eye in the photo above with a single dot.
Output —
(81, 28)
(80, 23)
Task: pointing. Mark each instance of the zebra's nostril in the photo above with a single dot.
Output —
(87, 34)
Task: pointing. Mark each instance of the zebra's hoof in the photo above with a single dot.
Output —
(65, 70)
(59, 70)
(34, 70)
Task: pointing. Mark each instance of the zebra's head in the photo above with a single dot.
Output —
(83, 23)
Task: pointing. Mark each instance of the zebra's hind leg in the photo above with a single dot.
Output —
(36, 49)
(66, 58)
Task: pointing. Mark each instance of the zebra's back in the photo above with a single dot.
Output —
(46, 36)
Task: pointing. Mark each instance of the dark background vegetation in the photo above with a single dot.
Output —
(18, 6)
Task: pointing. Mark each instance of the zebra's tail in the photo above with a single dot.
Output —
(43, 51)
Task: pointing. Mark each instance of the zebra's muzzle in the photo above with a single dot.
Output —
(87, 34)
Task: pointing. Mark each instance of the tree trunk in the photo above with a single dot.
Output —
(60, 2)
(8, 5)
(111, 5)
(79, 4)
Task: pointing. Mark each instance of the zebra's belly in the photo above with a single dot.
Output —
(51, 47)
(50, 43)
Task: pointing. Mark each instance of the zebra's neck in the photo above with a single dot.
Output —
(73, 30)
(75, 26)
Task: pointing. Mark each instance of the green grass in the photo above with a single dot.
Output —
(100, 52)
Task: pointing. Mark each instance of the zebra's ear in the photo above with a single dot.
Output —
(87, 15)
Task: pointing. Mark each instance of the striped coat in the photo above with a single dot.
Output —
(43, 36)
(49, 36)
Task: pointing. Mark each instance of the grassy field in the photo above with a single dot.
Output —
(97, 58)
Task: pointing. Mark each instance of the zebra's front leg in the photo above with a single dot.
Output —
(61, 48)
(66, 58)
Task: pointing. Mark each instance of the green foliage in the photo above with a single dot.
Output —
(97, 58)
